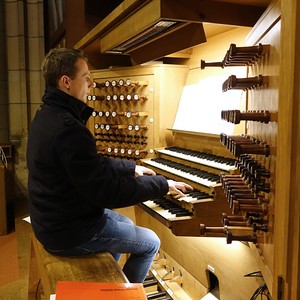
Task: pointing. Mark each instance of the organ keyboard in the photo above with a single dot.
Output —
(210, 160)
(205, 204)
(201, 177)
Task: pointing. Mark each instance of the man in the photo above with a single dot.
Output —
(72, 189)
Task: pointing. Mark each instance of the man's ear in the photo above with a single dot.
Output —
(64, 82)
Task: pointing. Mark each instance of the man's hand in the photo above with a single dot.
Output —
(178, 188)
(141, 170)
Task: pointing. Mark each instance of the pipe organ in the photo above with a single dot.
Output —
(222, 232)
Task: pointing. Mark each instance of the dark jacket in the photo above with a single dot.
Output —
(69, 184)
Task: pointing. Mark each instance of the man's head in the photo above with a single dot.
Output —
(67, 70)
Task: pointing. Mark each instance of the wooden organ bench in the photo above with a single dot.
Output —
(49, 269)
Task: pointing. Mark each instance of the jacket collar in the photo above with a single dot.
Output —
(56, 97)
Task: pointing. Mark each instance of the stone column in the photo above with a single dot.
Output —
(25, 50)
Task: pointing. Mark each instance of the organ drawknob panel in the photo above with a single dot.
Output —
(248, 193)
(120, 119)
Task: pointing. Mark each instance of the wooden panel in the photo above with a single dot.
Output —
(74, 33)
(197, 255)
(287, 210)
(3, 217)
(267, 31)
(163, 87)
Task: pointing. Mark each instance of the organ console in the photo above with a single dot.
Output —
(232, 205)
(119, 129)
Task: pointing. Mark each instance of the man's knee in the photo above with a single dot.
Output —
(155, 240)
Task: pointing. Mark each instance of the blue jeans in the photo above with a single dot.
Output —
(120, 235)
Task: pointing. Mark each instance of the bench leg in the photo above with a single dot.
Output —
(34, 278)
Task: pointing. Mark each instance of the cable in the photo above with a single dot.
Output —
(261, 291)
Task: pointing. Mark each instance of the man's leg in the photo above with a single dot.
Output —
(120, 235)
(142, 244)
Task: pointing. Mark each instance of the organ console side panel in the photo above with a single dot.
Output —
(267, 31)
(283, 66)
(287, 229)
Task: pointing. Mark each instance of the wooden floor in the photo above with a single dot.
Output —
(18, 290)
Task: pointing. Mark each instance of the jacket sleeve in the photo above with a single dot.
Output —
(107, 183)
(122, 167)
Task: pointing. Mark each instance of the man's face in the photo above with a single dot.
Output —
(81, 85)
